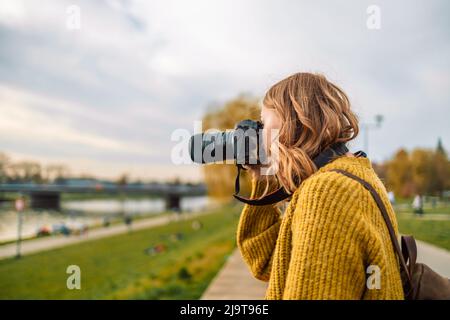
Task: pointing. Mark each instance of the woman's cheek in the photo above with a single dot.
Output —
(268, 134)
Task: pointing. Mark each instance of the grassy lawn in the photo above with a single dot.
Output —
(118, 267)
(425, 228)
(436, 232)
(440, 209)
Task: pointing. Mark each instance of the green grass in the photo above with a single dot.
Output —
(436, 232)
(440, 206)
(441, 209)
(118, 267)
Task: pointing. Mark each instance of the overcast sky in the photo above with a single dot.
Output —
(104, 99)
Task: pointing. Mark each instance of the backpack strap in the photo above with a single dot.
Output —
(408, 242)
(409, 250)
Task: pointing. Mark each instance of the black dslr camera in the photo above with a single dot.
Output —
(243, 145)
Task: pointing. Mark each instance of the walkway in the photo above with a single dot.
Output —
(234, 281)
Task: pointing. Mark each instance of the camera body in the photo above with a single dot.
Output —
(242, 146)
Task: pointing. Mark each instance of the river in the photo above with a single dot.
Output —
(80, 213)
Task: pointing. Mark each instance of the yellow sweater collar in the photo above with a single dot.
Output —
(345, 161)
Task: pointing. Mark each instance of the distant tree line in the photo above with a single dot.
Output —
(30, 171)
(421, 171)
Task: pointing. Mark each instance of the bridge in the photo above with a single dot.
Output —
(47, 196)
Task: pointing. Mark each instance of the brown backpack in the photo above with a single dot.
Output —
(420, 282)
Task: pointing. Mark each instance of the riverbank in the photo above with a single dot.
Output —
(76, 216)
(114, 221)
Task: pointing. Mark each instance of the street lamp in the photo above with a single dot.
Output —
(368, 126)
(20, 206)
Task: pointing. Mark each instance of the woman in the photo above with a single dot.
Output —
(332, 242)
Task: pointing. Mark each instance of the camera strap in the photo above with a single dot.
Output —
(325, 157)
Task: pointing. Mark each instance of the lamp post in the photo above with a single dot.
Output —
(368, 126)
(20, 206)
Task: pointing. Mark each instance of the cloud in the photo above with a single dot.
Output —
(22, 120)
(113, 91)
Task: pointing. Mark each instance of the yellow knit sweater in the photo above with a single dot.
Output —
(323, 245)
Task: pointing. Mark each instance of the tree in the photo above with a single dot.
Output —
(423, 171)
(56, 173)
(27, 171)
(122, 180)
(4, 163)
(440, 171)
(440, 148)
(399, 177)
(421, 166)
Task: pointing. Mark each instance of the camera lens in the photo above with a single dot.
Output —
(241, 145)
(212, 147)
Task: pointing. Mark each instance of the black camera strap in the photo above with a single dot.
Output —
(325, 157)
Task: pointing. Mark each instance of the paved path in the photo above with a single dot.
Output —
(234, 281)
(42, 244)
(436, 258)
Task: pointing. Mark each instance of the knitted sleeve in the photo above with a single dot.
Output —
(327, 256)
(257, 233)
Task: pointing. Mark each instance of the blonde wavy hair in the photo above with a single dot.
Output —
(315, 114)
